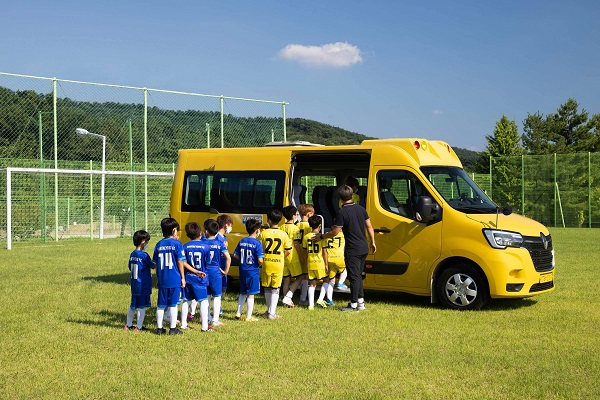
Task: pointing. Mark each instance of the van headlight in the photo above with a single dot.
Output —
(503, 239)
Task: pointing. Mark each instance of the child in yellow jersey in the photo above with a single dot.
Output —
(306, 211)
(276, 246)
(337, 264)
(315, 253)
(292, 267)
(353, 183)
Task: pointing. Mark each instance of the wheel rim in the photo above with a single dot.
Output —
(461, 290)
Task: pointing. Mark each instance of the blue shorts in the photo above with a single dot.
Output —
(249, 283)
(168, 297)
(215, 282)
(140, 301)
(224, 283)
(195, 291)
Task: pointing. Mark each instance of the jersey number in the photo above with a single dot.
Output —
(247, 255)
(270, 243)
(330, 241)
(134, 270)
(196, 258)
(313, 247)
(165, 260)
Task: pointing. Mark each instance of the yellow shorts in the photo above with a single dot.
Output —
(292, 269)
(270, 279)
(335, 268)
(316, 274)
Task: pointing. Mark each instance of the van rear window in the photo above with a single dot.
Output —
(235, 192)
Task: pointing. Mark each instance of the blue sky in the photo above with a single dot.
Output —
(439, 69)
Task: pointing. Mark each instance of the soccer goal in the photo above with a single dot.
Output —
(52, 204)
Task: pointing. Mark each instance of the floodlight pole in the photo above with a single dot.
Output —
(81, 131)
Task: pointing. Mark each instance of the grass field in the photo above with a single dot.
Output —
(64, 307)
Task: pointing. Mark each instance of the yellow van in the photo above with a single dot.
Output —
(437, 233)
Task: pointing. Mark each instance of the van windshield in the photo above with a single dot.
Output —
(459, 190)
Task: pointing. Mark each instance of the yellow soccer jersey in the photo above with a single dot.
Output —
(303, 230)
(275, 242)
(314, 252)
(292, 232)
(335, 251)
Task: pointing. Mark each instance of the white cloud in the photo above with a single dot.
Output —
(438, 112)
(336, 55)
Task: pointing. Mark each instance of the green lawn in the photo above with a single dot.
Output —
(64, 307)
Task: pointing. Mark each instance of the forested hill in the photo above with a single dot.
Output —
(317, 132)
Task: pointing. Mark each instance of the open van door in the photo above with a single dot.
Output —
(406, 248)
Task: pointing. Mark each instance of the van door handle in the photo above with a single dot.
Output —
(383, 229)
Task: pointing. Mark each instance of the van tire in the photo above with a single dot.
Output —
(462, 287)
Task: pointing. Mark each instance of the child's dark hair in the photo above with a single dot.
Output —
(274, 215)
(289, 212)
(139, 237)
(223, 220)
(167, 225)
(314, 221)
(211, 226)
(345, 192)
(192, 230)
(352, 182)
(252, 225)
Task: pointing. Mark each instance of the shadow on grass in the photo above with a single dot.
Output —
(121, 279)
(112, 319)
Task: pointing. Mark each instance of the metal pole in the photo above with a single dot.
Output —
(589, 189)
(522, 184)
(68, 213)
(222, 125)
(146, 158)
(207, 135)
(555, 187)
(102, 187)
(132, 178)
(491, 178)
(284, 127)
(55, 160)
(91, 202)
(272, 135)
(42, 182)
(8, 209)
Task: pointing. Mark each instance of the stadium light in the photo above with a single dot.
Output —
(81, 131)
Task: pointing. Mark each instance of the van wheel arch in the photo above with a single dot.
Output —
(460, 284)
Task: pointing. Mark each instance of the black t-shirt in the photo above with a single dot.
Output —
(351, 218)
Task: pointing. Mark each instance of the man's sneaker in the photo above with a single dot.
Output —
(142, 329)
(274, 316)
(322, 303)
(330, 302)
(190, 317)
(348, 308)
(251, 319)
(265, 314)
(341, 286)
(209, 330)
(127, 328)
(175, 331)
(217, 323)
(361, 306)
(288, 302)
(161, 331)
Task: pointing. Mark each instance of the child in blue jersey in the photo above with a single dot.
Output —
(225, 226)
(170, 260)
(196, 282)
(216, 248)
(250, 253)
(140, 264)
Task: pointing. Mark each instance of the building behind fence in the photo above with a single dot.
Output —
(144, 128)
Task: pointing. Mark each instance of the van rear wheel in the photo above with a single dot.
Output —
(462, 287)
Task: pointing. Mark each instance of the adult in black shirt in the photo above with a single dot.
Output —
(352, 220)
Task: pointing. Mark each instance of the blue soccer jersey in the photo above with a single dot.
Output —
(215, 249)
(166, 254)
(196, 254)
(249, 250)
(141, 278)
(223, 239)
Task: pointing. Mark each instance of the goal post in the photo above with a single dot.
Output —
(80, 189)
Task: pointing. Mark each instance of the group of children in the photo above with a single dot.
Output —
(187, 274)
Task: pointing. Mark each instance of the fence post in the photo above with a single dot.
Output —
(491, 196)
(222, 142)
(146, 158)
(284, 127)
(522, 184)
(132, 178)
(589, 189)
(8, 210)
(42, 182)
(555, 187)
(208, 135)
(91, 202)
(55, 159)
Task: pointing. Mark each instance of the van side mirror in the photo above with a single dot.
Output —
(427, 210)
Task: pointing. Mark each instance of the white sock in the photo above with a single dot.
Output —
(343, 276)
(141, 314)
(216, 308)
(330, 291)
(160, 314)
(241, 301)
(289, 294)
(361, 300)
(274, 300)
(193, 305)
(311, 296)
(184, 313)
(268, 296)
(250, 308)
(353, 305)
(173, 315)
(204, 314)
(130, 313)
(323, 291)
(303, 290)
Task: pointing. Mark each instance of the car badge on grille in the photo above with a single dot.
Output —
(544, 241)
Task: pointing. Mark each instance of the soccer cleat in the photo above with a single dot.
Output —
(361, 306)
(161, 331)
(288, 302)
(217, 323)
(348, 308)
(209, 330)
(310, 308)
(127, 328)
(175, 331)
(322, 303)
(330, 302)
(251, 319)
(265, 314)
(274, 316)
(341, 286)
(142, 329)
(190, 317)
(238, 315)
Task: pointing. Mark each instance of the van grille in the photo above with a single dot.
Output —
(541, 257)
(538, 287)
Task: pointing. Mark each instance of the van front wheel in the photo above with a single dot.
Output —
(462, 287)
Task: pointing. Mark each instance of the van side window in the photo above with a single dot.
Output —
(247, 192)
(398, 192)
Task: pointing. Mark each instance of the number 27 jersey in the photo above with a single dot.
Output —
(275, 242)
